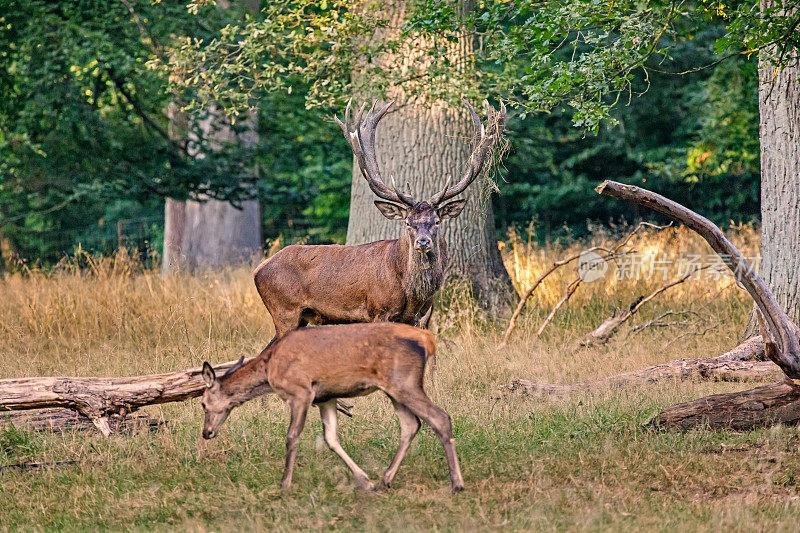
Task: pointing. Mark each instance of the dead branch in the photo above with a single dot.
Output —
(568, 292)
(100, 398)
(608, 254)
(660, 322)
(513, 322)
(609, 327)
(738, 364)
(776, 403)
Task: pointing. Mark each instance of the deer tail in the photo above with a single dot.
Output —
(429, 343)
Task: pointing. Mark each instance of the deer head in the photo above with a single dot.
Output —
(421, 219)
(216, 403)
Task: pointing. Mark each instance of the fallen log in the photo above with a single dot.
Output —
(745, 362)
(777, 403)
(100, 398)
(69, 420)
(761, 406)
(707, 369)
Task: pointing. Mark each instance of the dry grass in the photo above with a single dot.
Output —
(582, 464)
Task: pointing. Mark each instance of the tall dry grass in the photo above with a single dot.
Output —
(581, 464)
(109, 315)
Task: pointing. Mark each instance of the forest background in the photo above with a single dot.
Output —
(78, 79)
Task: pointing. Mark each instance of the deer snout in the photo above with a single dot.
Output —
(423, 244)
(209, 434)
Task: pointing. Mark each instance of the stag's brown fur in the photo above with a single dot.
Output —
(333, 284)
(319, 365)
(381, 281)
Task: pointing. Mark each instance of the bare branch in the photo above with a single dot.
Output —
(783, 346)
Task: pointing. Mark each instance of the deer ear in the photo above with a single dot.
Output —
(391, 211)
(208, 375)
(452, 209)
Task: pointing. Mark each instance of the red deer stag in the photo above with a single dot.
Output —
(392, 280)
(318, 366)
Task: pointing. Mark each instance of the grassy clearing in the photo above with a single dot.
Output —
(579, 464)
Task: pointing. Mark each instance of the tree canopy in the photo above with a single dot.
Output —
(658, 91)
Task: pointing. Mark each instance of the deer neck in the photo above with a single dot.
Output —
(421, 274)
(247, 383)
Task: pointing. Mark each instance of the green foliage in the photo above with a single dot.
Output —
(84, 143)
(296, 40)
(305, 189)
(693, 138)
(82, 122)
(85, 152)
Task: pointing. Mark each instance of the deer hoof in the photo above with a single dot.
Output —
(457, 488)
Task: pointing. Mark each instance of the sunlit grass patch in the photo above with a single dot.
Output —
(583, 463)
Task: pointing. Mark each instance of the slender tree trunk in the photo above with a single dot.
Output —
(779, 110)
(424, 144)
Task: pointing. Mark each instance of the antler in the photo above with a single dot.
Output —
(485, 138)
(361, 136)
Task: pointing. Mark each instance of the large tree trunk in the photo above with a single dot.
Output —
(779, 109)
(211, 233)
(206, 233)
(424, 143)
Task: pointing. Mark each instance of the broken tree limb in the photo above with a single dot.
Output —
(513, 322)
(99, 398)
(661, 322)
(609, 327)
(568, 292)
(608, 254)
(752, 408)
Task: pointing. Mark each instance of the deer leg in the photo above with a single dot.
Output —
(286, 321)
(330, 424)
(409, 425)
(419, 404)
(424, 321)
(299, 409)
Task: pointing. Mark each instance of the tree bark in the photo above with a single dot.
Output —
(778, 403)
(424, 143)
(779, 132)
(207, 233)
(100, 398)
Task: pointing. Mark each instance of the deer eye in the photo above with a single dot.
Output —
(203, 405)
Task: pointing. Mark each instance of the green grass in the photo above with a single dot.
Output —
(584, 463)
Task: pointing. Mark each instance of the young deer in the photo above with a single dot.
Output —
(317, 366)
